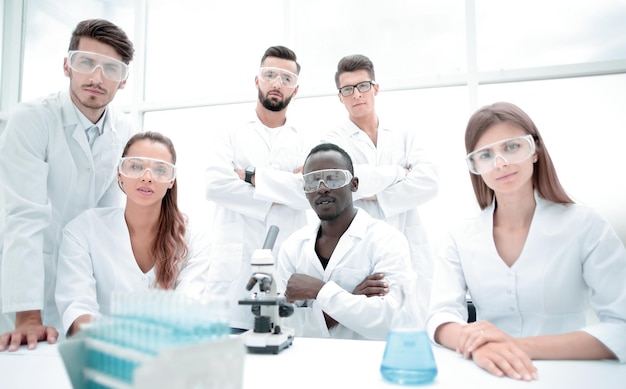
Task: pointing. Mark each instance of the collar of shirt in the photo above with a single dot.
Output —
(86, 124)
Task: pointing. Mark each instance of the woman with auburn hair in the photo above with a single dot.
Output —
(533, 261)
(146, 244)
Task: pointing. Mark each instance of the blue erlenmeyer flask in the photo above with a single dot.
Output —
(408, 357)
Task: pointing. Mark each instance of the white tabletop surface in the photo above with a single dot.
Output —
(330, 363)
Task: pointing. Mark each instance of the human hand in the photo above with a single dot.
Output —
(28, 330)
(241, 173)
(476, 334)
(302, 287)
(505, 359)
(372, 285)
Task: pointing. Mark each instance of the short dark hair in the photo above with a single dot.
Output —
(352, 63)
(332, 147)
(105, 32)
(281, 52)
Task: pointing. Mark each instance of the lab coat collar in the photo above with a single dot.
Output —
(72, 124)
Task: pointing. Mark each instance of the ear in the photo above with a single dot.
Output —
(171, 184)
(295, 91)
(256, 81)
(354, 185)
(375, 89)
(122, 85)
(66, 68)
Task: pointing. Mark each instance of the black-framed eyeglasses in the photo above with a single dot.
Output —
(364, 86)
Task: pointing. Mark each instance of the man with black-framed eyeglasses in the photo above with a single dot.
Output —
(394, 174)
(58, 158)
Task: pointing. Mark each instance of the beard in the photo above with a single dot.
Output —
(273, 105)
(328, 218)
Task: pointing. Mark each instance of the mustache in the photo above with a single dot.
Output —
(95, 86)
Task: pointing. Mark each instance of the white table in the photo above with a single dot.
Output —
(314, 363)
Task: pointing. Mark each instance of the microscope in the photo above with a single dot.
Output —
(267, 305)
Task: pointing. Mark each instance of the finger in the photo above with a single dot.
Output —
(32, 337)
(375, 291)
(522, 363)
(468, 335)
(16, 340)
(492, 368)
(480, 339)
(52, 335)
(506, 363)
(4, 341)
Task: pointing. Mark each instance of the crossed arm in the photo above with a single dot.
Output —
(304, 287)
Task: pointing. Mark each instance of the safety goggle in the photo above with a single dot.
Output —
(87, 62)
(362, 87)
(136, 167)
(512, 150)
(269, 75)
(331, 178)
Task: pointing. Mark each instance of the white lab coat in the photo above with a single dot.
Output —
(380, 169)
(49, 176)
(571, 259)
(368, 246)
(96, 259)
(243, 213)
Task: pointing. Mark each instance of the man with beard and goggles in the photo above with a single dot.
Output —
(254, 179)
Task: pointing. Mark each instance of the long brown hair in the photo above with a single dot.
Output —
(169, 248)
(545, 180)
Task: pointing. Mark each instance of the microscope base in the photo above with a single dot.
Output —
(268, 343)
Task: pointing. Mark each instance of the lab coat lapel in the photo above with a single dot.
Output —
(78, 144)
(348, 240)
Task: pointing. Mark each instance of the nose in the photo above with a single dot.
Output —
(322, 188)
(147, 178)
(503, 162)
(98, 74)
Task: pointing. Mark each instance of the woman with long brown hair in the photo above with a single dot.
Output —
(534, 261)
(146, 244)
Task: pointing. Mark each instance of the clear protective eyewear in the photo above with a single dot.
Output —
(136, 167)
(87, 62)
(512, 150)
(331, 178)
(363, 87)
(269, 75)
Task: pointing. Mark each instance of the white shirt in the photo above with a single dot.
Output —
(49, 176)
(244, 213)
(380, 169)
(571, 259)
(368, 246)
(96, 259)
